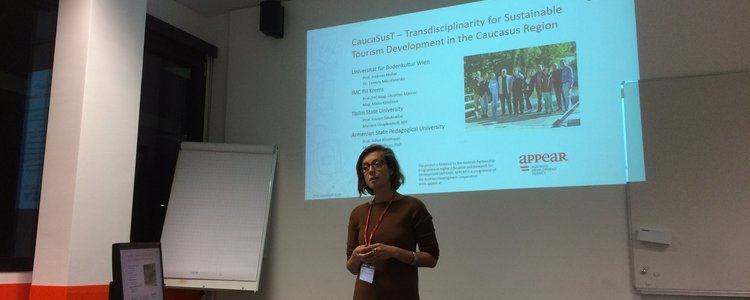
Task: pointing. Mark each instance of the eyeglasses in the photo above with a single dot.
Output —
(377, 164)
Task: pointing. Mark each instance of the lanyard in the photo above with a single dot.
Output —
(380, 219)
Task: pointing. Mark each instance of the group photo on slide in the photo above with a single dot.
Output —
(529, 87)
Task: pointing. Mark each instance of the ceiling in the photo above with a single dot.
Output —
(216, 7)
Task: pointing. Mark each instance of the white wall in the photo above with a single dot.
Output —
(569, 243)
(683, 38)
(677, 38)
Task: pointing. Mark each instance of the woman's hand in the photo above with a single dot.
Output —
(365, 254)
(373, 253)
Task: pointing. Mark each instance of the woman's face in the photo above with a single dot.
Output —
(375, 171)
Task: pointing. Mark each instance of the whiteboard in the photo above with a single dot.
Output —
(215, 225)
(696, 134)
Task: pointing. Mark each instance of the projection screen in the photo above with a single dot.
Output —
(482, 96)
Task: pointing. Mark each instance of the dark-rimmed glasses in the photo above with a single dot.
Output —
(377, 164)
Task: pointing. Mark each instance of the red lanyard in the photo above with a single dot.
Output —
(380, 220)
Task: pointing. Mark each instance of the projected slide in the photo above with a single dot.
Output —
(482, 96)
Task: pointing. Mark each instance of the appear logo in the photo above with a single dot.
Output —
(528, 159)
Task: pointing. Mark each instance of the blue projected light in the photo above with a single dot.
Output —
(441, 88)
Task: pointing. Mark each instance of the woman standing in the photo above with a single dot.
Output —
(545, 84)
(494, 89)
(384, 233)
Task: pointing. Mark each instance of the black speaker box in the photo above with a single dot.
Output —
(272, 18)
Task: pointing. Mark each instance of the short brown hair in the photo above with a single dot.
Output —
(397, 178)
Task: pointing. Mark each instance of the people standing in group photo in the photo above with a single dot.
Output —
(476, 90)
(567, 84)
(538, 77)
(505, 82)
(484, 90)
(517, 90)
(528, 89)
(557, 85)
(545, 85)
(492, 85)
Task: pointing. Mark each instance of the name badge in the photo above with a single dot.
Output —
(366, 273)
